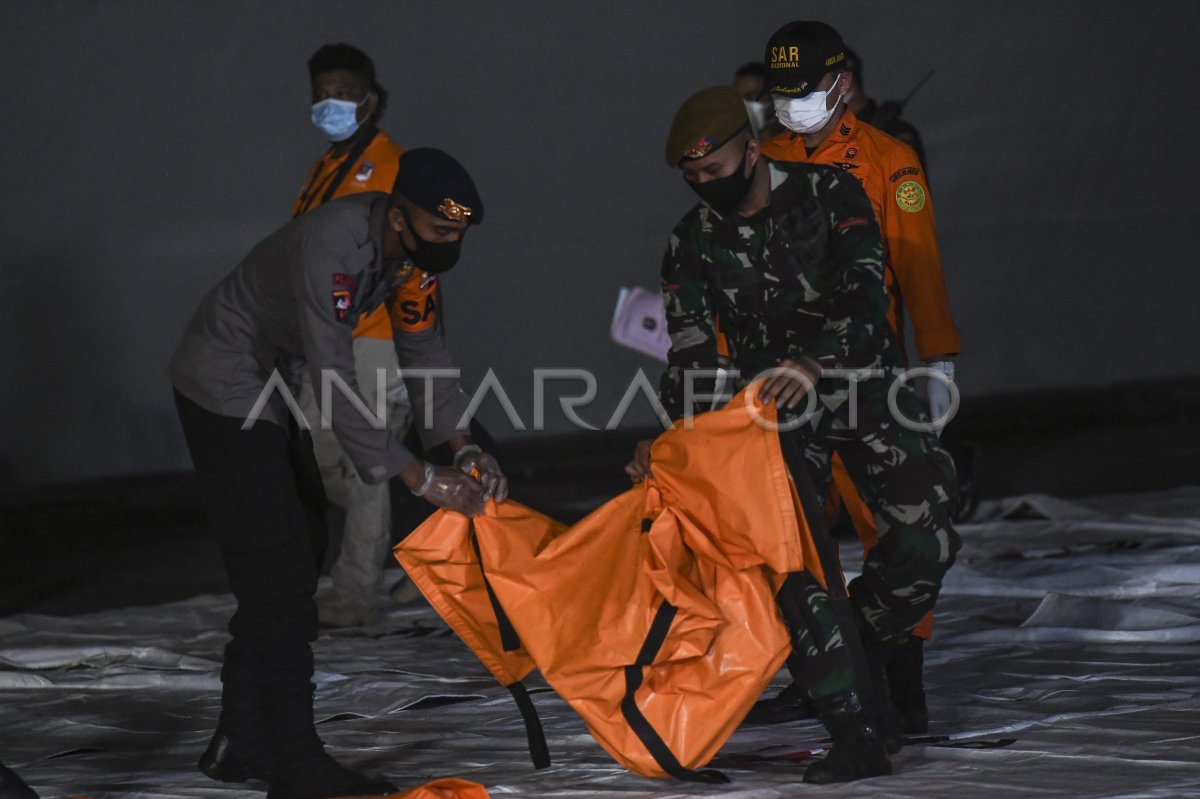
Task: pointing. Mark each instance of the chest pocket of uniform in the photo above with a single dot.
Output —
(738, 293)
(799, 251)
(799, 271)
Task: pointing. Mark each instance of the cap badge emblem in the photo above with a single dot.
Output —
(700, 149)
(455, 212)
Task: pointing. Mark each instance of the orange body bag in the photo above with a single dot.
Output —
(654, 617)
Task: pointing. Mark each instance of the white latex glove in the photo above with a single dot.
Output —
(939, 395)
(449, 488)
(471, 458)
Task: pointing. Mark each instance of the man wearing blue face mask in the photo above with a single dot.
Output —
(347, 104)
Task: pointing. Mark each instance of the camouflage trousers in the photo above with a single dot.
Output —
(908, 482)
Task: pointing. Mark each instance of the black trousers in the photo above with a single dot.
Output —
(257, 490)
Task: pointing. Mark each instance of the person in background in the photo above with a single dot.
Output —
(808, 80)
(749, 82)
(887, 116)
(749, 79)
(348, 103)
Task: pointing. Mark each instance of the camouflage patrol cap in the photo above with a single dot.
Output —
(706, 120)
(433, 180)
(801, 53)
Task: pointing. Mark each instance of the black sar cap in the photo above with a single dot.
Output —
(801, 53)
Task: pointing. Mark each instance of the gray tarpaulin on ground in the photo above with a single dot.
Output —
(1071, 627)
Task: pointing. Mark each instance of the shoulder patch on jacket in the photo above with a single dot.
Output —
(899, 173)
(910, 196)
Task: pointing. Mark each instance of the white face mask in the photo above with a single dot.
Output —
(805, 114)
(759, 112)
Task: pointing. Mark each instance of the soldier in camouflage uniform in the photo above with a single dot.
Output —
(789, 257)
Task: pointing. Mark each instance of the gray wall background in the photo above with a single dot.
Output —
(145, 146)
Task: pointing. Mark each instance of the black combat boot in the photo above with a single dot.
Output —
(790, 704)
(226, 761)
(303, 769)
(878, 701)
(13, 787)
(905, 677)
(240, 749)
(321, 777)
(858, 750)
(882, 710)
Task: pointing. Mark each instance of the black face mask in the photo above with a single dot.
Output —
(725, 194)
(434, 257)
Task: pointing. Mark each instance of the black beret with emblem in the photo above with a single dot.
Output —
(433, 180)
(801, 53)
(706, 120)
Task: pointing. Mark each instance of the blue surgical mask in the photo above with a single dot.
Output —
(337, 119)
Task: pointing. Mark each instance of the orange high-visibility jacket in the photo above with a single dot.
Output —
(891, 175)
(654, 617)
(375, 170)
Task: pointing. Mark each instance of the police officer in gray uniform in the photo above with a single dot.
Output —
(291, 304)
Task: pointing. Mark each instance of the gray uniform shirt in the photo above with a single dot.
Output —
(294, 302)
